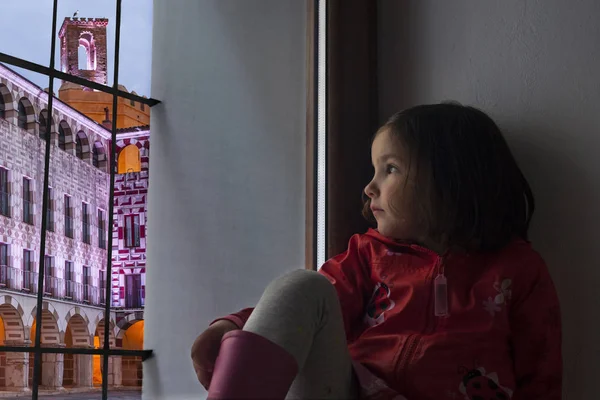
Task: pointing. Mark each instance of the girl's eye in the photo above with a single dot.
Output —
(390, 169)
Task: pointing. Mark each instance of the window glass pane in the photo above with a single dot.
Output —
(27, 29)
(85, 45)
(131, 377)
(129, 246)
(77, 209)
(24, 99)
(135, 59)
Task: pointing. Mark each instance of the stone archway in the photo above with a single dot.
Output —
(114, 363)
(26, 115)
(77, 367)
(131, 337)
(66, 140)
(13, 366)
(82, 147)
(52, 364)
(42, 129)
(99, 159)
(7, 107)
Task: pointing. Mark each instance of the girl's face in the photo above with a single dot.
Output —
(391, 190)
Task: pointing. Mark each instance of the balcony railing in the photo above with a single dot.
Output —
(8, 277)
(90, 294)
(134, 298)
(102, 293)
(15, 279)
(30, 281)
(53, 286)
(73, 290)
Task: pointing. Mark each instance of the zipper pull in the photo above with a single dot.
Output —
(440, 285)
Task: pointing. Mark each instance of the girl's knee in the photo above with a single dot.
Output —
(304, 281)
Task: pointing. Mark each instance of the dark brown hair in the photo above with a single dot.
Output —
(469, 189)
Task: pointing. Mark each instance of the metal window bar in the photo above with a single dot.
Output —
(39, 280)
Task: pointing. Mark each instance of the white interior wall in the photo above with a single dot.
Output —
(533, 66)
(227, 179)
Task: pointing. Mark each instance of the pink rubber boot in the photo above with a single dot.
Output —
(250, 366)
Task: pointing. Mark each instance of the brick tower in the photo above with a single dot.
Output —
(89, 33)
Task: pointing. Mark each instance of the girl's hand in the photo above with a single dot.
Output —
(206, 349)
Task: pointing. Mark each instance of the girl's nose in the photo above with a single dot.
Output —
(370, 190)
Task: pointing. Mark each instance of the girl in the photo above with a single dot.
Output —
(445, 299)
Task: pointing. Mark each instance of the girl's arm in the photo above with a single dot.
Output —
(536, 335)
(349, 273)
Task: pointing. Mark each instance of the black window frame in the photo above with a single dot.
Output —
(52, 73)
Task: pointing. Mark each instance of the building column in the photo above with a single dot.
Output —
(115, 366)
(53, 368)
(17, 367)
(84, 369)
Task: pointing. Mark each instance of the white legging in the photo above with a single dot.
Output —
(300, 312)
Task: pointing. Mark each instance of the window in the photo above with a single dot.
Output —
(22, 115)
(85, 223)
(50, 287)
(69, 280)
(43, 121)
(29, 281)
(62, 137)
(68, 217)
(101, 230)
(27, 202)
(82, 146)
(78, 148)
(4, 193)
(87, 285)
(4, 261)
(132, 230)
(102, 286)
(2, 107)
(133, 291)
(61, 288)
(143, 107)
(50, 211)
(129, 160)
